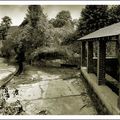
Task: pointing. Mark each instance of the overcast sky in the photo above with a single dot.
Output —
(17, 12)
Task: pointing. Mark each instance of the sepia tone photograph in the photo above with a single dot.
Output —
(59, 59)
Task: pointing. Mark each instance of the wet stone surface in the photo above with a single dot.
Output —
(5, 70)
(50, 91)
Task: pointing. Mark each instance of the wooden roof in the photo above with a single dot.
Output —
(111, 30)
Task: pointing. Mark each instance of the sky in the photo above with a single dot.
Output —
(18, 12)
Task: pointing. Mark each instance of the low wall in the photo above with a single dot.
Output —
(100, 107)
(104, 99)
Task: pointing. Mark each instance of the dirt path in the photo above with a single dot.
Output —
(52, 91)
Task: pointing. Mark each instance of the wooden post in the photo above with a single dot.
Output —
(90, 56)
(101, 61)
(83, 58)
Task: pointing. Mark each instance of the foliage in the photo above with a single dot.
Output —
(54, 38)
(32, 34)
(9, 44)
(4, 26)
(114, 14)
(64, 15)
(61, 19)
(6, 21)
(34, 12)
(37, 34)
(93, 17)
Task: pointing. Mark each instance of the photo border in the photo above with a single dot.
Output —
(62, 2)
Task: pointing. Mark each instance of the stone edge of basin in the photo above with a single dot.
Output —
(8, 78)
(104, 93)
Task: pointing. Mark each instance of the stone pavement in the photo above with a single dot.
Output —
(5, 70)
(52, 91)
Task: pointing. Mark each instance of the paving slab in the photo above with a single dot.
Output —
(45, 91)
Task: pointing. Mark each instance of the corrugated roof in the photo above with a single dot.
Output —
(110, 30)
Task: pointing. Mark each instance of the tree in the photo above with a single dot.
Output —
(5, 25)
(37, 35)
(75, 23)
(30, 33)
(114, 14)
(34, 30)
(34, 12)
(6, 21)
(52, 20)
(61, 19)
(65, 15)
(93, 17)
